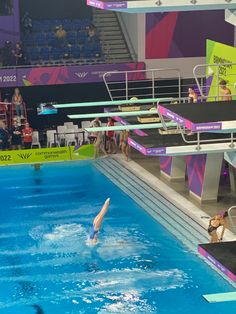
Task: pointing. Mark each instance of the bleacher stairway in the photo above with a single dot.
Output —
(113, 42)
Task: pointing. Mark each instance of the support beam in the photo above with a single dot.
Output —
(113, 114)
(204, 175)
(113, 103)
(130, 127)
(173, 167)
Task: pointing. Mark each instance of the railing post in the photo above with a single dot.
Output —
(153, 85)
(126, 86)
(217, 82)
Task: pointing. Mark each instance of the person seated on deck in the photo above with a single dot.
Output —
(225, 92)
(216, 222)
(192, 95)
(97, 222)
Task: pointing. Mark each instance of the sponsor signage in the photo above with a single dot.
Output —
(43, 155)
(69, 74)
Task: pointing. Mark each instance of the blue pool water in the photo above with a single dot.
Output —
(46, 262)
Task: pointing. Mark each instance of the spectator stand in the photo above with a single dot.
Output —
(42, 46)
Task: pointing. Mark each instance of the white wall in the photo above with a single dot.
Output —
(134, 25)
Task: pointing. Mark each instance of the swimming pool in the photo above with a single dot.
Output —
(47, 265)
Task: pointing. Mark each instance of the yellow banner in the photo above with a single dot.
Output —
(43, 155)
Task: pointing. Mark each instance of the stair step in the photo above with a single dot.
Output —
(152, 194)
(150, 204)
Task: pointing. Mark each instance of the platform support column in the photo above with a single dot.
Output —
(173, 168)
(204, 175)
(232, 178)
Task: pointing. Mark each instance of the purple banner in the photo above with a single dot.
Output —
(216, 263)
(156, 151)
(115, 5)
(137, 146)
(166, 164)
(68, 74)
(10, 26)
(107, 5)
(167, 34)
(199, 127)
(171, 115)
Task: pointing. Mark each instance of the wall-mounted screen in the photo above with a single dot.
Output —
(46, 109)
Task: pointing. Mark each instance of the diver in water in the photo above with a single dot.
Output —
(97, 222)
(38, 309)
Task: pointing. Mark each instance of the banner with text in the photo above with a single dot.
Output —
(43, 155)
(68, 74)
(218, 53)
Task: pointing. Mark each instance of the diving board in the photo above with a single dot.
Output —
(220, 297)
(112, 114)
(113, 103)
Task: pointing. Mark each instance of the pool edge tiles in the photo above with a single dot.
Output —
(212, 252)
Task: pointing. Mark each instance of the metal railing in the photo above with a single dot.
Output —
(220, 72)
(143, 83)
(232, 217)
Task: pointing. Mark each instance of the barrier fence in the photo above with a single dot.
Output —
(43, 155)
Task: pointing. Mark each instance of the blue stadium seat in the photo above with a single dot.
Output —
(75, 52)
(56, 53)
(33, 54)
(44, 53)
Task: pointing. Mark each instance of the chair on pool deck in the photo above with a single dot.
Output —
(51, 140)
(61, 130)
(35, 139)
(70, 139)
(69, 125)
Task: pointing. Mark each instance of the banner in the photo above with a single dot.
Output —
(68, 74)
(168, 34)
(219, 53)
(43, 155)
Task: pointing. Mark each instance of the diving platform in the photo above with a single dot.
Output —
(202, 117)
(222, 255)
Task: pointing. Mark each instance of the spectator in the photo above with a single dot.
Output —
(19, 55)
(27, 24)
(16, 135)
(225, 91)
(91, 31)
(110, 137)
(4, 136)
(17, 101)
(7, 55)
(61, 34)
(27, 136)
(192, 95)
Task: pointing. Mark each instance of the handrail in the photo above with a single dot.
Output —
(217, 65)
(107, 78)
(233, 225)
